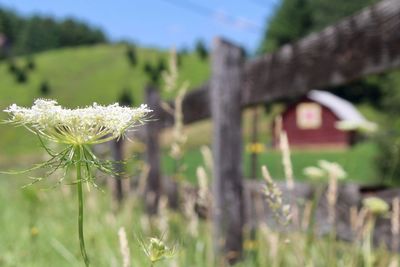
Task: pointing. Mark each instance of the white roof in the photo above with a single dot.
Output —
(342, 108)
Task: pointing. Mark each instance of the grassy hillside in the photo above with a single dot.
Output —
(81, 76)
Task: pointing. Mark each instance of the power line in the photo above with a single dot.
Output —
(270, 4)
(205, 11)
(258, 3)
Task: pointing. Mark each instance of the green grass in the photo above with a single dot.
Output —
(357, 161)
(39, 228)
(81, 76)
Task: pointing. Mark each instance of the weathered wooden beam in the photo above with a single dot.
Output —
(225, 95)
(365, 43)
(195, 107)
(153, 182)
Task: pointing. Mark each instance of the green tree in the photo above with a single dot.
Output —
(26, 35)
(326, 12)
(44, 88)
(201, 50)
(21, 76)
(30, 64)
(131, 55)
(37, 35)
(293, 19)
(126, 98)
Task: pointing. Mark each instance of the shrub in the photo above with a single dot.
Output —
(125, 99)
(44, 88)
(30, 64)
(131, 55)
(21, 76)
(201, 50)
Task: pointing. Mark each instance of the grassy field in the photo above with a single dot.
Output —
(81, 76)
(358, 162)
(39, 228)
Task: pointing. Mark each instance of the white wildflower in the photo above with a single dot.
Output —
(333, 169)
(314, 172)
(91, 125)
(78, 129)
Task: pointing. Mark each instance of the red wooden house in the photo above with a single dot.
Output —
(312, 121)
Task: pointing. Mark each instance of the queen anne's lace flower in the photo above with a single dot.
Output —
(91, 125)
(78, 129)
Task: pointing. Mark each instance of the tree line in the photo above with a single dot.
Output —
(21, 35)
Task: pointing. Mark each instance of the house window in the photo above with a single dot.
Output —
(308, 116)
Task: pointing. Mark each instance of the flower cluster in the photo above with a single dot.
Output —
(281, 211)
(91, 125)
(375, 205)
(325, 169)
(156, 250)
(77, 129)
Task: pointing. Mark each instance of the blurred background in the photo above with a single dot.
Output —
(80, 52)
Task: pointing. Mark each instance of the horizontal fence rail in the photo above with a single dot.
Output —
(363, 44)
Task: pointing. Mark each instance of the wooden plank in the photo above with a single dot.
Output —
(364, 44)
(225, 95)
(153, 182)
(195, 107)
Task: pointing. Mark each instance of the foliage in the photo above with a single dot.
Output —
(126, 99)
(30, 64)
(21, 76)
(294, 19)
(388, 141)
(81, 75)
(25, 35)
(201, 50)
(36, 241)
(291, 21)
(154, 71)
(131, 55)
(361, 91)
(77, 129)
(44, 88)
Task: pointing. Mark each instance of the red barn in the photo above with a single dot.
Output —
(312, 121)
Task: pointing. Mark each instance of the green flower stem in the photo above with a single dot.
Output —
(80, 205)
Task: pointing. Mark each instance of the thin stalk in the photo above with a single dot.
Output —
(310, 232)
(80, 206)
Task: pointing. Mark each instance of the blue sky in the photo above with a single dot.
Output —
(162, 23)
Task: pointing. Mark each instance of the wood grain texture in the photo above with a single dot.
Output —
(365, 43)
(225, 95)
(152, 128)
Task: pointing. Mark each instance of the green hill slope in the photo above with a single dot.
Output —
(81, 76)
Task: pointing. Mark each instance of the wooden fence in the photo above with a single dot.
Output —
(364, 44)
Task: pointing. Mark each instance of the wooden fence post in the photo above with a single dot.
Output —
(153, 184)
(116, 147)
(225, 97)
